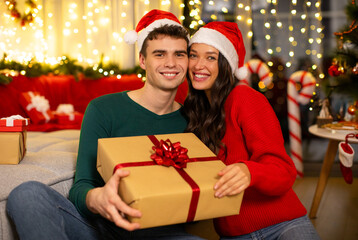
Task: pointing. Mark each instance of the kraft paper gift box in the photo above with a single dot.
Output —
(163, 194)
(13, 139)
(36, 106)
(12, 147)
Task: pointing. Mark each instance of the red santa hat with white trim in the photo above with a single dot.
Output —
(225, 37)
(153, 19)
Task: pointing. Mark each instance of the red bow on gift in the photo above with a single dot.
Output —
(170, 154)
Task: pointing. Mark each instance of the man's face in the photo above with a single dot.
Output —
(166, 62)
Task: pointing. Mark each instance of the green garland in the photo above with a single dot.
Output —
(66, 66)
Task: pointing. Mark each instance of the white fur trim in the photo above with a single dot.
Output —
(220, 42)
(345, 158)
(142, 35)
(131, 37)
(241, 73)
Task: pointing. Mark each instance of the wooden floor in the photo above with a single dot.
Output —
(337, 216)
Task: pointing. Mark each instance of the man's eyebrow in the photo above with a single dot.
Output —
(164, 51)
(158, 51)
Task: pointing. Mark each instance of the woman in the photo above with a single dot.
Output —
(238, 124)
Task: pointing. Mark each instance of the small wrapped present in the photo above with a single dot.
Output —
(15, 123)
(12, 147)
(171, 181)
(66, 114)
(13, 139)
(37, 107)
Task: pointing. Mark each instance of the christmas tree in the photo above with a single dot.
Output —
(344, 69)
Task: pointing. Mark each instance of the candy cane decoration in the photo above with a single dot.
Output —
(308, 83)
(261, 69)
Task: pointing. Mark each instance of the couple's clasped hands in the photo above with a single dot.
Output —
(105, 200)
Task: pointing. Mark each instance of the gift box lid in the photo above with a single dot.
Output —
(15, 123)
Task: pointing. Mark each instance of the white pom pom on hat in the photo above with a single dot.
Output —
(131, 37)
(227, 38)
(153, 19)
(241, 73)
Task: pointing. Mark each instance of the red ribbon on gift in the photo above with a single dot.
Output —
(172, 154)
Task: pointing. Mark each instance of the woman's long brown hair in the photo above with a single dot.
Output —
(207, 120)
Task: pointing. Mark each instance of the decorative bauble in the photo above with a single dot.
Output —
(334, 71)
(352, 109)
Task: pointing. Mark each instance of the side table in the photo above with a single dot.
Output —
(335, 137)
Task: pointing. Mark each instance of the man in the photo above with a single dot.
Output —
(99, 211)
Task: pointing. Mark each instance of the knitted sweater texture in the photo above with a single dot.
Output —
(253, 136)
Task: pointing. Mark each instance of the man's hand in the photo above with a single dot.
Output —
(234, 179)
(106, 202)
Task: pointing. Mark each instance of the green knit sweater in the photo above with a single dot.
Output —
(113, 115)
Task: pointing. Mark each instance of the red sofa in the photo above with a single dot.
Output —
(63, 90)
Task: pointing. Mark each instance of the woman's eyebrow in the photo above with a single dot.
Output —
(208, 52)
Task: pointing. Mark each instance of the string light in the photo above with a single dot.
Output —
(195, 14)
(243, 16)
(317, 41)
(93, 15)
(304, 31)
(272, 25)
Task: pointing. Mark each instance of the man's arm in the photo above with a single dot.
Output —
(89, 193)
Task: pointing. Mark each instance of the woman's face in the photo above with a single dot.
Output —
(203, 66)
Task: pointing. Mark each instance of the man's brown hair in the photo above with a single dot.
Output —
(174, 31)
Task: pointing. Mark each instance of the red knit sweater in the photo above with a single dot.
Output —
(253, 136)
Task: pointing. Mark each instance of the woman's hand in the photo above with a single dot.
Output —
(234, 179)
(106, 202)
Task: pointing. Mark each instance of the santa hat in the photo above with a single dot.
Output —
(225, 37)
(153, 19)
